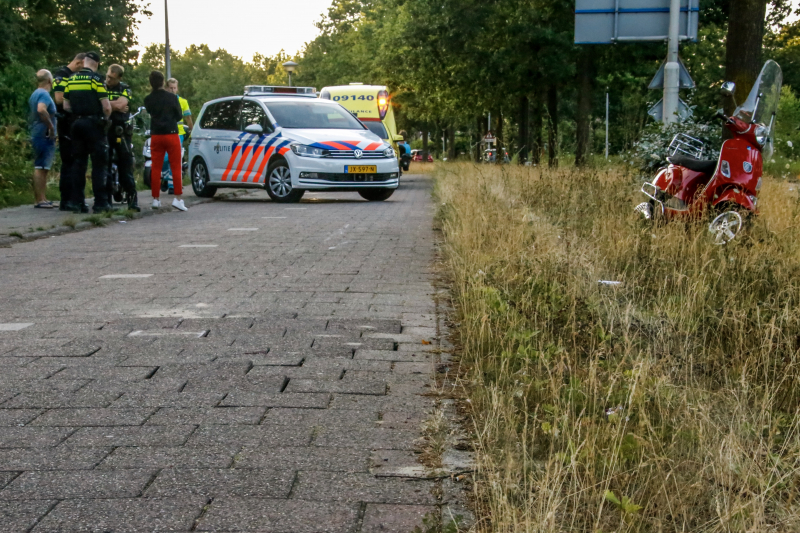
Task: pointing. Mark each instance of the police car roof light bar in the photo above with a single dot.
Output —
(272, 90)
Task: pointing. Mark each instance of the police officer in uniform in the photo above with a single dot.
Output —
(119, 135)
(86, 98)
(60, 78)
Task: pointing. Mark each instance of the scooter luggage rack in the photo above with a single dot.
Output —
(686, 145)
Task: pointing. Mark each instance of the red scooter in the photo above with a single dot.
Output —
(729, 187)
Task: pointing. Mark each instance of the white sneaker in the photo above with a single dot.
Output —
(178, 204)
(156, 203)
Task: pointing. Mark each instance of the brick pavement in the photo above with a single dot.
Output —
(257, 382)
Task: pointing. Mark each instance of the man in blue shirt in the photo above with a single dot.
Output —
(42, 124)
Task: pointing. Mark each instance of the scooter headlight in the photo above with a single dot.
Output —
(762, 135)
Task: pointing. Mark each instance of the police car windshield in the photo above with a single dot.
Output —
(313, 115)
(377, 128)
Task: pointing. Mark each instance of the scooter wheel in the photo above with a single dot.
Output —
(164, 186)
(146, 177)
(118, 197)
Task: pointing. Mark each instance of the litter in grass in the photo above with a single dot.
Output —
(611, 283)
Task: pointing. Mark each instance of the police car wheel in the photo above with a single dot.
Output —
(376, 195)
(200, 179)
(279, 183)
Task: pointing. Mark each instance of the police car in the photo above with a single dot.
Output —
(286, 140)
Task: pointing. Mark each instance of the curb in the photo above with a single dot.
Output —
(7, 242)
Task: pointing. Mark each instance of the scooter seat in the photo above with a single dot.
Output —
(706, 166)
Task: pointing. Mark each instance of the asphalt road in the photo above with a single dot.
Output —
(244, 366)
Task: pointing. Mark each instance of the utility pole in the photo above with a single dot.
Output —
(672, 68)
(166, 23)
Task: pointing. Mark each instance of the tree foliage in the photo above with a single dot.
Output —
(451, 62)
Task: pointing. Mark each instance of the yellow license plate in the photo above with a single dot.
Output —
(361, 169)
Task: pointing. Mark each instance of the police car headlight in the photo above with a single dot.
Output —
(303, 150)
(389, 152)
(762, 135)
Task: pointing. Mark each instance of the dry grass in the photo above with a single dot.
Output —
(668, 403)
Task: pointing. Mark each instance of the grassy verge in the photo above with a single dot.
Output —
(667, 403)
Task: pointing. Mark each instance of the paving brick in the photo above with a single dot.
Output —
(58, 458)
(123, 515)
(93, 417)
(130, 436)
(238, 398)
(215, 435)
(387, 355)
(373, 388)
(220, 456)
(220, 482)
(207, 415)
(304, 458)
(32, 437)
(61, 400)
(77, 484)
(382, 518)
(168, 399)
(114, 373)
(366, 438)
(261, 384)
(321, 417)
(381, 403)
(336, 366)
(21, 516)
(285, 516)
(17, 417)
(345, 487)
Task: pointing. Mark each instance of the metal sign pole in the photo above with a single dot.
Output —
(166, 24)
(672, 68)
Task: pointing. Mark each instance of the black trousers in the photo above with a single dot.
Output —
(67, 159)
(89, 140)
(120, 146)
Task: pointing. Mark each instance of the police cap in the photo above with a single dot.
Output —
(94, 56)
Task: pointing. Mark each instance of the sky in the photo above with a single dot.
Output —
(242, 27)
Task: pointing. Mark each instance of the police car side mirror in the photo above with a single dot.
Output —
(255, 129)
(398, 138)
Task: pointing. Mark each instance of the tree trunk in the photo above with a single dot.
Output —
(536, 129)
(499, 144)
(524, 134)
(743, 48)
(480, 121)
(451, 143)
(582, 122)
(425, 144)
(552, 138)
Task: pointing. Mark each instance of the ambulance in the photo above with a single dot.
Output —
(371, 104)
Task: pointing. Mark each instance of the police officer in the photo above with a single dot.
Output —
(86, 98)
(119, 135)
(60, 78)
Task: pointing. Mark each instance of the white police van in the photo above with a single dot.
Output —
(286, 140)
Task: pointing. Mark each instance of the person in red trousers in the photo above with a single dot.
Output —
(165, 113)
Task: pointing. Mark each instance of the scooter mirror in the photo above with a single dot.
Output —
(728, 88)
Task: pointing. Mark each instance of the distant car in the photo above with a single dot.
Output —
(285, 140)
(416, 155)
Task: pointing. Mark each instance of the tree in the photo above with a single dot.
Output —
(743, 50)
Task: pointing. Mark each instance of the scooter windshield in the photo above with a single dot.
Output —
(762, 103)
